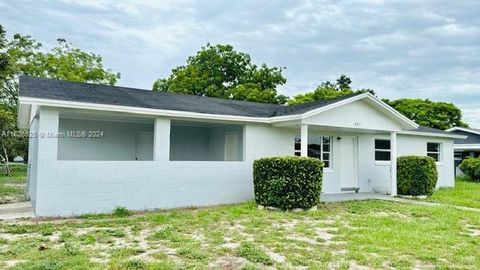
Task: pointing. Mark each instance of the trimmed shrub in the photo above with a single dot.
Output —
(121, 212)
(288, 182)
(470, 166)
(416, 175)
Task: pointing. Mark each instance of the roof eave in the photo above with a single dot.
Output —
(464, 130)
(432, 134)
(138, 110)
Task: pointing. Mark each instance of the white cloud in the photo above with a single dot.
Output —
(399, 48)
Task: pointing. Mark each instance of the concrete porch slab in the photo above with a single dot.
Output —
(341, 197)
(16, 210)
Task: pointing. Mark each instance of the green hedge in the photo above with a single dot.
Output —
(470, 166)
(416, 175)
(288, 182)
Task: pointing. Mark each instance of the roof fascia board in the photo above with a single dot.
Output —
(464, 130)
(466, 146)
(406, 132)
(333, 105)
(137, 110)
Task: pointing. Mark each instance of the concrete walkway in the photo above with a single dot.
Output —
(429, 204)
(342, 197)
(16, 210)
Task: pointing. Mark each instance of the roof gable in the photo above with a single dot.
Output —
(358, 114)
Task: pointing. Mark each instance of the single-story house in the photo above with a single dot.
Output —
(96, 147)
(469, 147)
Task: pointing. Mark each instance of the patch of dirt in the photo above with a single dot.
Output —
(324, 233)
(12, 263)
(286, 224)
(391, 214)
(474, 232)
(352, 265)
(18, 236)
(228, 262)
(230, 245)
(302, 239)
(276, 257)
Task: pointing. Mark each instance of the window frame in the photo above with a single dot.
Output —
(438, 153)
(389, 150)
(298, 152)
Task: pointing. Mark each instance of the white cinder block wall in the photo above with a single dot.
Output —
(71, 187)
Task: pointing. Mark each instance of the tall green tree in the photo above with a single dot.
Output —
(23, 55)
(326, 90)
(440, 115)
(3, 55)
(26, 56)
(220, 71)
(7, 140)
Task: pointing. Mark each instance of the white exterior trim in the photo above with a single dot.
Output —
(246, 119)
(409, 132)
(466, 146)
(409, 122)
(358, 97)
(138, 110)
(175, 113)
(393, 162)
(464, 129)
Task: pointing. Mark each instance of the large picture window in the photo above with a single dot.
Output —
(318, 147)
(382, 150)
(434, 151)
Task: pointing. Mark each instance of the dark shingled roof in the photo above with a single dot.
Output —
(425, 129)
(114, 95)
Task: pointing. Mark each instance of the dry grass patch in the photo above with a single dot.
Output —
(356, 235)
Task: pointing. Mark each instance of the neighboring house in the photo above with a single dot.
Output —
(100, 146)
(469, 147)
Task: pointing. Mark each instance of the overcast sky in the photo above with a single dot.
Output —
(421, 49)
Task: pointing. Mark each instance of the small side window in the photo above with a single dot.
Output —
(434, 151)
(382, 150)
(318, 147)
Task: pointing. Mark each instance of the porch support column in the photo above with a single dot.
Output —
(393, 162)
(304, 140)
(161, 140)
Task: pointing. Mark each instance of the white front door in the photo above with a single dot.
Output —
(348, 162)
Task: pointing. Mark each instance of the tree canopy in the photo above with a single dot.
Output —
(440, 115)
(25, 56)
(220, 71)
(326, 90)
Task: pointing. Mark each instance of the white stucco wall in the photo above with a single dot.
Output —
(71, 187)
(416, 145)
(120, 140)
(32, 161)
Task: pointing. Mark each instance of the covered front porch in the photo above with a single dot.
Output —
(356, 139)
(356, 160)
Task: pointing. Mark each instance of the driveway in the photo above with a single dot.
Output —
(16, 210)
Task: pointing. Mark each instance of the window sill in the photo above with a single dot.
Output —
(382, 162)
(327, 170)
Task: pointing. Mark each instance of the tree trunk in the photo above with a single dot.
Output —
(5, 158)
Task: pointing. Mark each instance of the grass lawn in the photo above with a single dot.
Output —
(464, 193)
(12, 188)
(373, 234)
